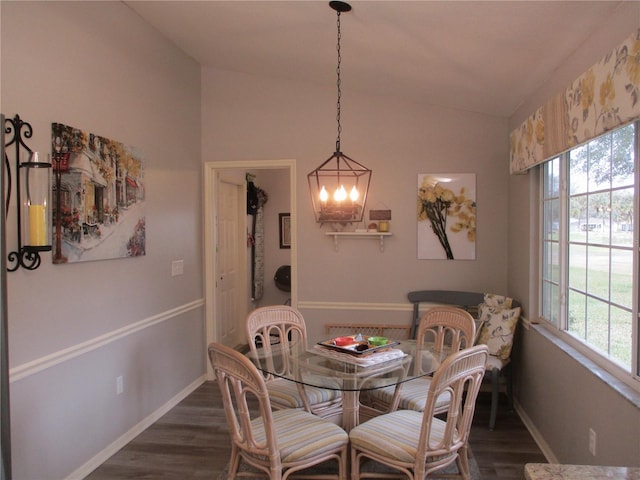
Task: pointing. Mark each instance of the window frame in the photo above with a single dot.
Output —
(560, 325)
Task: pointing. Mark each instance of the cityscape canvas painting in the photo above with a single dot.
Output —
(98, 197)
(446, 216)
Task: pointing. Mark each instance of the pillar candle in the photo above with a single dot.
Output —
(37, 225)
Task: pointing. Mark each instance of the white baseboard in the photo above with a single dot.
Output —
(537, 437)
(110, 450)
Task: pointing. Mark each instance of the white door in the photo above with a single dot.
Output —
(230, 250)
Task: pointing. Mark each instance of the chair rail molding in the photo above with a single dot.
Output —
(321, 305)
(39, 364)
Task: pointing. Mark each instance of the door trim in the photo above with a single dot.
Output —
(210, 213)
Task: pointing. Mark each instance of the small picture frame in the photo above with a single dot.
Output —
(285, 230)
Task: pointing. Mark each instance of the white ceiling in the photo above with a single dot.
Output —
(481, 56)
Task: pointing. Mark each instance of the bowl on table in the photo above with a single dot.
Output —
(343, 341)
(377, 341)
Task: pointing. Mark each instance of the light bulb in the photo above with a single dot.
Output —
(340, 195)
(354, 194)
(324, 195)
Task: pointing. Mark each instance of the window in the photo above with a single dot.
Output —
(588, 232)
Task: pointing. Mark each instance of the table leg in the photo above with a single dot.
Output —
(350, 411)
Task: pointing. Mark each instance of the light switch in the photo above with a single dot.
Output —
(177, 267)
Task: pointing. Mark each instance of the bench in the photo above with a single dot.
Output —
(468, 301)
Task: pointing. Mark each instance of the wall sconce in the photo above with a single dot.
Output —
(340, 185)
(33, 187)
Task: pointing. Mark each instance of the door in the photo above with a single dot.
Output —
(230, 248)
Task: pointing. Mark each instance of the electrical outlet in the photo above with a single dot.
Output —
(177, 267)
(119, 385)
(592, 442)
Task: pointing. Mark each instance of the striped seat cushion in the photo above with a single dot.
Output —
(413, 395)
(301, 435)
(284, 393)
(394, 435)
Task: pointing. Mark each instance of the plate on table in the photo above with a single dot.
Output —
(349, 344)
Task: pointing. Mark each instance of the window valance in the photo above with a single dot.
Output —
(604, 97)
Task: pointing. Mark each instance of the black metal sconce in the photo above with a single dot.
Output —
(33, 187)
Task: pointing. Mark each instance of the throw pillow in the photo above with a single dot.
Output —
(498, 301)
(498, 329)
(479, 328)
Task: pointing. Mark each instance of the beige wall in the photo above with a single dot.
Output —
(562, 397)
(74, 328)
(245, 117)
(97, 66)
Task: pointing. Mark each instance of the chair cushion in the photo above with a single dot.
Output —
(394, 435)
(413, 395)
(284, 393)
(495, 362)
(301, 435)
(498, 329)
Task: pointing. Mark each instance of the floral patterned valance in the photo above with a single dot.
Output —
(604, 97)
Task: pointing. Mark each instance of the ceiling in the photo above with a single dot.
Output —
(482, 56)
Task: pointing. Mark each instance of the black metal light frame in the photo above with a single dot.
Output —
(26, 256)
(339, 169)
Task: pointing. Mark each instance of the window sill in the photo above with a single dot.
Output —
(627, 391)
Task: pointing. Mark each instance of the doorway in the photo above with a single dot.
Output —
(219, 302)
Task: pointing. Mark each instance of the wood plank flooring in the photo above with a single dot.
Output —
(191, 442)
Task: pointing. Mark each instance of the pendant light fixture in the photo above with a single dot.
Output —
(339, 186)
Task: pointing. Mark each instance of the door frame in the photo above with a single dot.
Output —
(210, 212)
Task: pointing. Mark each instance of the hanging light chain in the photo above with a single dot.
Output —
(338, 84)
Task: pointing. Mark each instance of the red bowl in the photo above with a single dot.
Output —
(343, 341)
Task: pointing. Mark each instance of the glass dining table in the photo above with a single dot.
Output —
(321, 364)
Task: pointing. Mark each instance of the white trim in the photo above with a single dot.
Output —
(395, 307)
(39, 364)
(137, 429)
(210, 212)
(537, 437)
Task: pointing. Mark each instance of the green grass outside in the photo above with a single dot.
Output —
(606, 327)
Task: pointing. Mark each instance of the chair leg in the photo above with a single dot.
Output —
(495, 396)
(509, 378)
(463, 463)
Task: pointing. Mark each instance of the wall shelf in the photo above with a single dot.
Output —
(358, 235)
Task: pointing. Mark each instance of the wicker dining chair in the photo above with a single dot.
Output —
(278, 443)
(419, 443)
(278, 328)
(443, 327)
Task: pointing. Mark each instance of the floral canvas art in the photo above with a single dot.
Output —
(98, 197)
(446, 216)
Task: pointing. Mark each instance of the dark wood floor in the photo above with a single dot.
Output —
(191, 442)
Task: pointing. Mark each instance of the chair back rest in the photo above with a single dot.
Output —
(446, 328)
(273, 332)
(242, 386)
(460, 375)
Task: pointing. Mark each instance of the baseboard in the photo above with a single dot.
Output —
(537, 437)
(137, 429)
